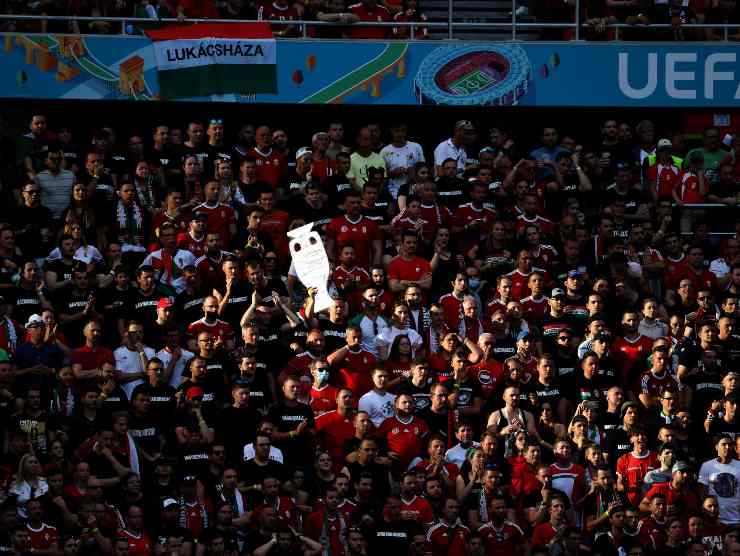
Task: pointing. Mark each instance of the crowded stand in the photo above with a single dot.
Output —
(530, 347)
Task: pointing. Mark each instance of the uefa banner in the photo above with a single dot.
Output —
(260, 70)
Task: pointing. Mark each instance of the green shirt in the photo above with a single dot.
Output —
(712, 160)
(359, 165)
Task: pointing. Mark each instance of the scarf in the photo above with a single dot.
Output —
(325, 537)
(236, 501)
(130, 221)
(12, 334)
(483, 506)
(133, 454)
(144, 193)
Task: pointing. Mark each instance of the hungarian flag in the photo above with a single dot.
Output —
(214, 59)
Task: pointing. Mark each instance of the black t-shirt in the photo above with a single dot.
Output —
(146, 431)
(392, 538)
(29, 221)
(239, 300)
(189, 306)
(71, 301)
(62, 270)
(286, 419)
(438, 422)
(143, 308)
(163, 402)
(421, 395)
(320, 216)
(24, 303)
(236, 428)
(251, 473)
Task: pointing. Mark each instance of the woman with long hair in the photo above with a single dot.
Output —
(58, 460)
(549, 431)
(399, 359)
(84, 252)
(323, 473)
(147, 185)
(80, 210)
(28, 483)
(472, 480)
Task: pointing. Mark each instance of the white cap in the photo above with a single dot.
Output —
(302, 152)
(34, 320)
(664, 144)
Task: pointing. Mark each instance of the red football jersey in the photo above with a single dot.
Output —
(360, 234)
(355, 372)
(188, 243)
(504, 540)
(270, 166)
(405, 439)
(632, 469)
(356, 276)
(452, 307)
(220, 219)
(43, 537)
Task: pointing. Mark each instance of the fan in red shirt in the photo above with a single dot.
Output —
(87, 361)
(335, 427)
(274, 223)
(678, 496)
(403, 432)
(221, 218)
(355, 229)
(632, 467)
(501, 536)
(194, 240)
(327, 522)
(280, 10)
(691, 187)
(657, 379)
(407, 269)
(354, 363)
(369, 10)
(414, 508)
(535, 305)
(488, 372)
(529, 216)
(663, 175)
(449, 537)
(210, 322)
(694, 270)
(270, 164)
(452, 302)
(472, 221)
(43, 538)
(197, 9)
(520, 275)
(347, 276)
(631, 348)
(545, 532)
(139, 543)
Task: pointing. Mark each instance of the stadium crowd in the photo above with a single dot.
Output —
(526, 352)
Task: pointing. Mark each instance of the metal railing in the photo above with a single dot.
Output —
(515, 27)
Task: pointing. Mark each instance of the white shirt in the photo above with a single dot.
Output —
(378, 406)
(185, 357)
(401, 157)
(129, 362)
(275, 453)
(457, 454)
(723, 481)
(447, 150)
(387, 335)
(369, 331)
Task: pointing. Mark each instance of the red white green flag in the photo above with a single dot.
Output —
(213, 58)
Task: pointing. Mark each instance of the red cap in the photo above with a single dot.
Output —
(164, 303)
(194, 392)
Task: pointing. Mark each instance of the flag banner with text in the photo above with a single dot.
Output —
(212, 59)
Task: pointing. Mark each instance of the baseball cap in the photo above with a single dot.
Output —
(525, 335)
(303, 151)
(167, 502)
(34, 320)
(733, 397)
(603, 336)
(557, 292)
(194, 392)
(464, 124)
(575, 274)
(199, 216)
(164, 302)
(680, 466)
(626, 406)
(188, 479)
(664, 145)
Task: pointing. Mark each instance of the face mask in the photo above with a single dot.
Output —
(473, 283)
(323, 376)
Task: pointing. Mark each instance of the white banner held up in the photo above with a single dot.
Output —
(311, 263)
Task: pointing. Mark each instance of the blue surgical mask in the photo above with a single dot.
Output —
(323, 376)
(473, 283)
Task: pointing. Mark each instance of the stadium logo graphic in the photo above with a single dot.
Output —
(482, 75)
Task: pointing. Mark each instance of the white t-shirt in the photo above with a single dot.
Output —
(457, 454)
(387, 335)
(723, 481)
(185, 357)
(378, 407)
(447, 150)
(400, 157)
(128, 361)
(275, 453)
